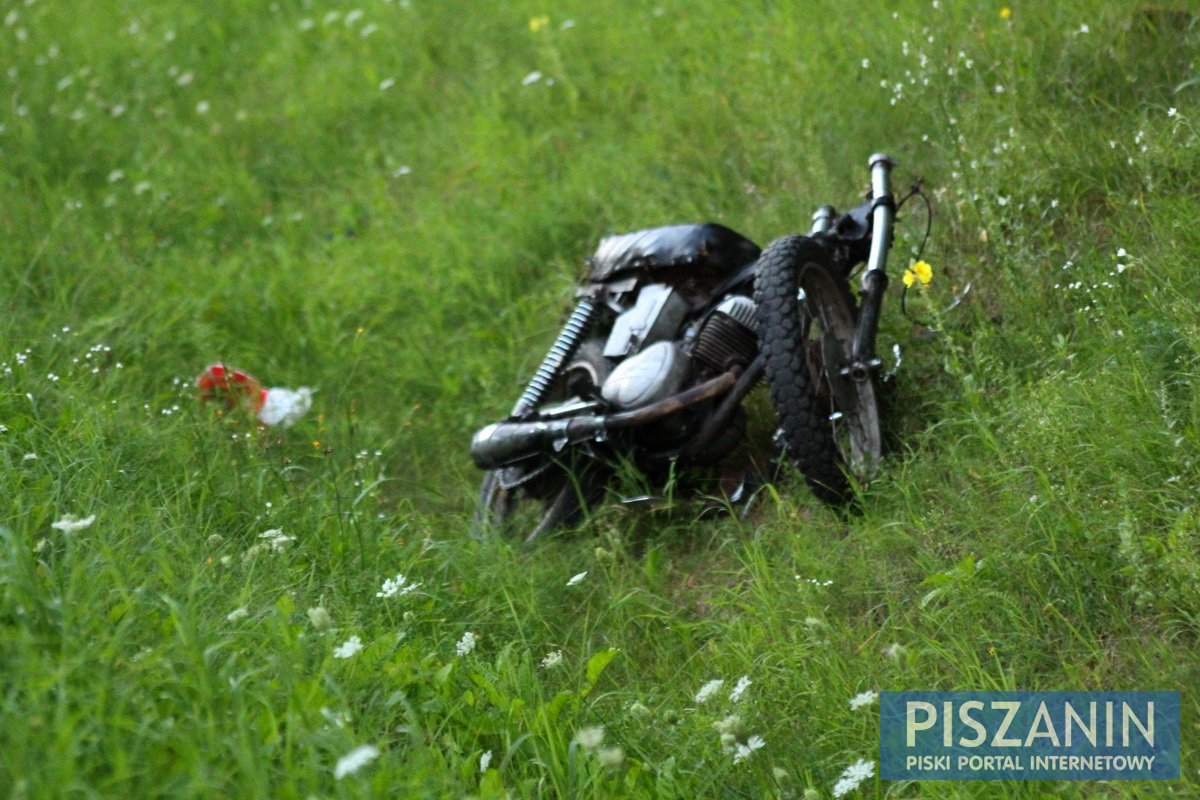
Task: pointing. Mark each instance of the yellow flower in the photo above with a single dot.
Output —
(1006, 13)
(537, 23)
(920, 272)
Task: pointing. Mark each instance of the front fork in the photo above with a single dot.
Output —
(863, 361)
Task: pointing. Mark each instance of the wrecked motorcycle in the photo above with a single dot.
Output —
(673, 328)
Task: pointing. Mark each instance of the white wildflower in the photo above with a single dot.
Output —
(236, 614)
(355, 760)
(895, 651)
(591, 737)
(71, 523)
(1172, 111)
(466, 644)
(348, 648)
(1084, 28)
(338, 719)
(320, 618)
(740, 688)
(531, 78)
(864, 699)
(552, 659)
(485, 761)
(186, 78)
(203, 107)
(386, 84)
(743, 750)
(709, 689)
(852, 776)
(639, 710)
(397, 587)
(116, 175)
(276, 539)
(729, 726)
(610, 756)
(30, 457)
(577, 579)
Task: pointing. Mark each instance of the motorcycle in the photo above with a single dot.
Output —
(673, 328)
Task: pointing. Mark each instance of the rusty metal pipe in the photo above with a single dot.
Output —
(720, 417)
(669, 405)
(506, 442)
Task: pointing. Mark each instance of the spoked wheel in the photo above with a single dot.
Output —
(553, 500)
(829, 421)
(558, 495)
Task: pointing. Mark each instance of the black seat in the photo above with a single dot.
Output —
(702, 245)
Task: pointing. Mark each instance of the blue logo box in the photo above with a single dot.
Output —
(1029, 735)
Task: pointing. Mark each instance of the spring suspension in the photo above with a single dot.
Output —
(560, 352)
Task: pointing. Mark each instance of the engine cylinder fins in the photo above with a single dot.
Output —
(742, 309)
(728, 336)
(568, 341)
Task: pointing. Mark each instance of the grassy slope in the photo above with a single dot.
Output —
(185, 182)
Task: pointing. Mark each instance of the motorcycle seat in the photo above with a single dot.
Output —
(706, 245)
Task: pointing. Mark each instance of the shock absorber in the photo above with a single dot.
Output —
(564, 347)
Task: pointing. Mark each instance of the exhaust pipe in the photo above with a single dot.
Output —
(505, 442)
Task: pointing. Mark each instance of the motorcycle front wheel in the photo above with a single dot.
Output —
(560, 496)
(829, 422)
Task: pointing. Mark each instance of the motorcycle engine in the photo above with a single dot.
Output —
(728, 335)
(653, 365)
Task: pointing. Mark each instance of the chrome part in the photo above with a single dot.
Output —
(564, 347)
(860, 370)
(653, 374)
(881, 214)
(571, 408)
(656, 315)
(823, 219)
(506, 442)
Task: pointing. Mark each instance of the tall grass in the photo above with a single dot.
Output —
(389, 202)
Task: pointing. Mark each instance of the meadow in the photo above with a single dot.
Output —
(389, 201)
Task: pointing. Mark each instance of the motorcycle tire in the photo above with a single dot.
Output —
(561, 496)
(829, 423)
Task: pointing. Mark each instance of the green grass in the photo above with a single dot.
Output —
(367, 200)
